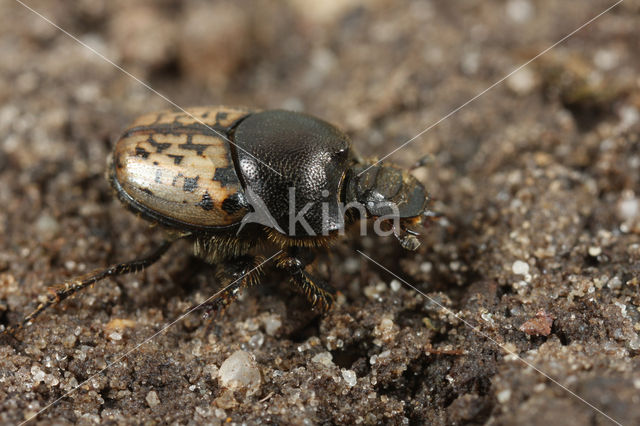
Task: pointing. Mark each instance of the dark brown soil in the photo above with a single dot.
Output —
(537, 179)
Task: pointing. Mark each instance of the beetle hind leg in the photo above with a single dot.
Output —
(58, 293)
(234, 275)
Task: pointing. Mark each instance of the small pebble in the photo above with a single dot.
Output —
(629, 116)
(522, 82)
(606, 59)
(386, 325)
(540, 325)
(520, 268)
(38, 374)
(595, 251)
(628, 208)
(256, 340)
(426, 267)
(519, 10)
(47, 226)
(539, 387)
(324, 358)
(614, 283)
(226, 400)
(152, 399)
(69, 341)
(504, 396)
(349, 377)
(352, 265)
(240, 371)
(271, 324)
(384, 354)
(470, 62)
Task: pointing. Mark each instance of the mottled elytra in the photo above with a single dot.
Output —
(239, 183)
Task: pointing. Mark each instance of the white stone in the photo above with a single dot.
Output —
(606, 59)
(271, 324)
(629, 116)
(384, 354)
(38, 374)
(522, 82)
(519, 10)
(152, 399)
(395, 285)
(352, 265)
(470, 62)
(628, 208)
(47, 225)
(595, 251)
(426, 267)
(256, 340)
(504, 396)
(324, 358)
(349, 377)
(614, 283)
(240, 371)
(520, 268)
(386, 325)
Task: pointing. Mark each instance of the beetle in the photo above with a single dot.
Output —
(235, 181)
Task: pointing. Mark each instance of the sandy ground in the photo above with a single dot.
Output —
(537, 180)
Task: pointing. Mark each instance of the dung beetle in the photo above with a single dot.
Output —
(236, 182)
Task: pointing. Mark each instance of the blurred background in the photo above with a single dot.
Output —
(542, 169)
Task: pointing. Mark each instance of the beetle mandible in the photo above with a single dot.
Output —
(235, 181)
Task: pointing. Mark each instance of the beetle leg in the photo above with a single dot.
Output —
(234, 275)
(318, 293)
(58, 293)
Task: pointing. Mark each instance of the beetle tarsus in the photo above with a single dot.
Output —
(59, 292)
(319, 294)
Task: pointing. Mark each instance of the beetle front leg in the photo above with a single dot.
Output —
(318, 293)
(58, 293)
(234, 275)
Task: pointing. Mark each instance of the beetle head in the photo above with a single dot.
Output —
(384, 191)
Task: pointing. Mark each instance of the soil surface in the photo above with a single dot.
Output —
(520, 307)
